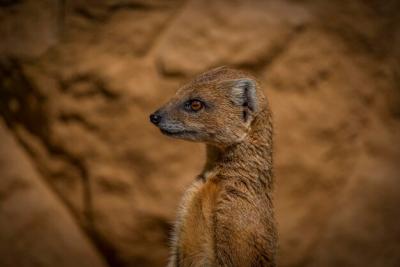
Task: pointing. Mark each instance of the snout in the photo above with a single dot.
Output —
(156, 118)
(167, 124)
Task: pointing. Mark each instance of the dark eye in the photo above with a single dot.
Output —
(194, 105)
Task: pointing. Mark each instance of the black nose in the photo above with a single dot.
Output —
(155, 118)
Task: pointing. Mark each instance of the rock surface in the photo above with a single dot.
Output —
(35, 228)
(79, 79)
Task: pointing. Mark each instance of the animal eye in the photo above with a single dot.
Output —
(194, 105)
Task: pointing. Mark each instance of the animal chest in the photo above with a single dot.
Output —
(195, 236)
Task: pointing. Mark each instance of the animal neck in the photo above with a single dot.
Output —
(251, 159)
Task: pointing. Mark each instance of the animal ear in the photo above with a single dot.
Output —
(243, 93)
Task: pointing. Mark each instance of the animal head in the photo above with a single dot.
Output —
(216, 108)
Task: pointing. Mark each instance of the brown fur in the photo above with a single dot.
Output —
(226, 216)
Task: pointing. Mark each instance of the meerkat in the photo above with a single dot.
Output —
(226, 216)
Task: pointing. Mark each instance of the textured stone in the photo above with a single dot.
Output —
(36, 228)
(243, 33)
(29, 29)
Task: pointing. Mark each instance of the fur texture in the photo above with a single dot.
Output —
(226, 216)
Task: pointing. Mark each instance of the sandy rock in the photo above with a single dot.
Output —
(30, 29)
(35, 228)
(244, 33)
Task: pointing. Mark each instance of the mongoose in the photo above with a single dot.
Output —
(226, 216)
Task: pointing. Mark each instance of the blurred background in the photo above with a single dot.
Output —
(86, 180)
